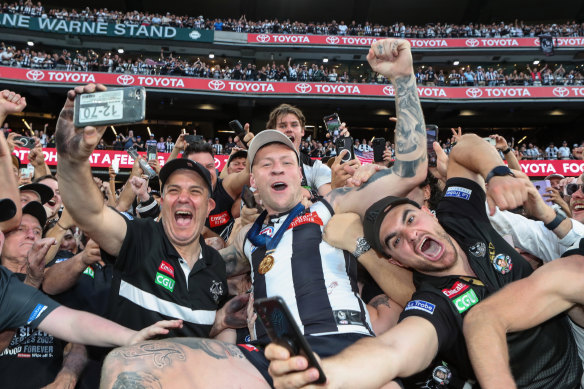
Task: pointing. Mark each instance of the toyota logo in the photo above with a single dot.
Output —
(333, 40)
(388, 90)
(303, 88)
(216, 84)
(536, 42)
(474, 92)
(561, 92)
(125, 79)
(194, 35)
(472, 42)
(35, 75)
(217, 163)
(263, 38)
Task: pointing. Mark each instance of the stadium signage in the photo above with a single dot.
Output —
(206, 85)
(428, 43)
(104, 158)
(75, 27)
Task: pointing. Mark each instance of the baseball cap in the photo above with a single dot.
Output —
(237, 154)
(555, 175)
(264, 138)
(376, 213)
(183, 163)
(36, 209)
(44, 192)
(7, 209)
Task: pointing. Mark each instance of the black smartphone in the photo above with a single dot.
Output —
(248, 198)
(190, 139)
(431, 136)
(282, 330)
(378, 149)
(236, 127)
(115, 106)
(26, 141)
(151, 152)
(332, 123)
(345, 143)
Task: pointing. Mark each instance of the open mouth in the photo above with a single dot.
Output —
(51, 203)
(291, 137)
(183, 218)
(430, 249)
(279, 186)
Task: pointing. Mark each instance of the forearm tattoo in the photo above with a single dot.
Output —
(410, 131)
(136, 380)
(380, 300)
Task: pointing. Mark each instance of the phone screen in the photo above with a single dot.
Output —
(431, 137)
(151, 152)
(332, 123)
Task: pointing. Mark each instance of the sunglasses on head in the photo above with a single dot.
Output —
(573, 188)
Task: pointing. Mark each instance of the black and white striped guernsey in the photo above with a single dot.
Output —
(317, 281)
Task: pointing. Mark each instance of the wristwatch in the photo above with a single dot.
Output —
(362, 247)
(499, 171)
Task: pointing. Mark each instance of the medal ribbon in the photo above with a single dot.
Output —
(263, 240)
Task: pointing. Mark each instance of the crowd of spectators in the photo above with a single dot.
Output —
(397, 29)
(186, 243)
(91, 60)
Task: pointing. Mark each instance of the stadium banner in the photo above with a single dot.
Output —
(74, 27)
(104, 158)
(34, 76)
(427, 43)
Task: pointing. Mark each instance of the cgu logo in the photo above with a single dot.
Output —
(165, 282)
(466, 301)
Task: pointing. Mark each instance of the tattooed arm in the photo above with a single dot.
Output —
(383, 312)
(393, 59)
(235, 260)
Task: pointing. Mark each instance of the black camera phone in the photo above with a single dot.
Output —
(192, 139)
(26, 141)
(282, 330)
(378, 149)
(332, 123)
(431, 137)
(345, 143)
(248, 198)
(236, 127)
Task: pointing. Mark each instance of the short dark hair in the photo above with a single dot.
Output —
(238, 154)
(198, 147)
(48, 176)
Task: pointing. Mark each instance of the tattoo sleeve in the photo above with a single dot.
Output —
(410, 130)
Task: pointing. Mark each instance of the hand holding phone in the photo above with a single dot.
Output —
(378, 149)
(345, 143)
(115, 106)
(145, 167)
(282, 330)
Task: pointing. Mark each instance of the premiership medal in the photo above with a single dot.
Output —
(270, 243)
(266, 264)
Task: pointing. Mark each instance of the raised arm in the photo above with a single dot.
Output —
(549, 291)
(393, 59)
(80, 195)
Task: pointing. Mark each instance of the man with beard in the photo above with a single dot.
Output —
(458, 260)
